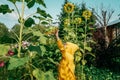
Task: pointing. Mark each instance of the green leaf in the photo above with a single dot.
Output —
(29, 22)
(83, 35)
(17, 62)
(83, 62)
(118, 45)
(92, 54)
(78, 56)
(13, 1)
(35, 48)
(49, 76)
(31, 3)
(5, 9)
(91, 28)
(41, 12)
(27, 1)
(82, 50)
(43, 40)
(38, 74)
(26, 31)
(54, 62)
(82, 43)
(92, 41)
(43, 49)
(19, 0)
(48, 15)
(81, 30)
(57, 51)
(38, 17)
(4, 48)
(44, 22)
(88, 48)
(89, 34)
(37, 33)
(41, 2)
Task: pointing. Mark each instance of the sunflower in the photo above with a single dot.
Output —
(87, 14)
(78, 20)
(66, 21)
(68, 7)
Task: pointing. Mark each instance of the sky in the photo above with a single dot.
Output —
(54, 9)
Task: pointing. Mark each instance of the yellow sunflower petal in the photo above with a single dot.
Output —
(69, 8)
(87, 14)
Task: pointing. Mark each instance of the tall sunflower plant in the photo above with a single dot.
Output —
(24, 62)
(77, 30)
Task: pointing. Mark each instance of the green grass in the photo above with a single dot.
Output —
(4, 49)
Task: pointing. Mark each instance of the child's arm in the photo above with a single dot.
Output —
(59, 42)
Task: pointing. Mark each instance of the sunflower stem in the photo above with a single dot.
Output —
(21, 29)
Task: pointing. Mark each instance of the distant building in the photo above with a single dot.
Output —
(113, 29)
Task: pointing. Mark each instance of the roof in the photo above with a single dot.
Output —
(114, 22)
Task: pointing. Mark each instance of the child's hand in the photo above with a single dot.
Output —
(57, 34)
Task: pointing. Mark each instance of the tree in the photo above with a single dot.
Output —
(3, 29)
(3, 33)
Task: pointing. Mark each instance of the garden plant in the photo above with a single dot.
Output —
(30, 50)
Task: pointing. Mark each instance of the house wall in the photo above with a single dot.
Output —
(113, 31)
(110, 32)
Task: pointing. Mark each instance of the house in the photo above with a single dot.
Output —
(113, 29)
